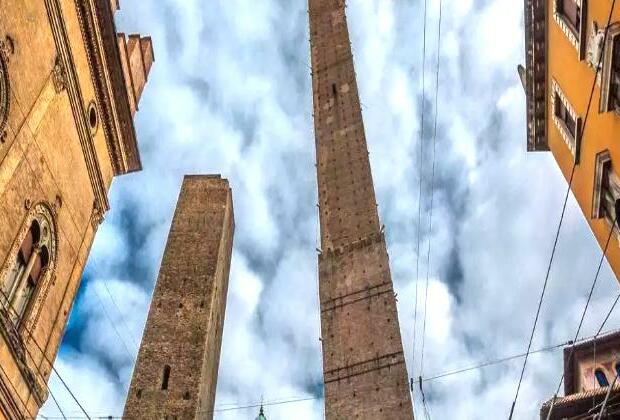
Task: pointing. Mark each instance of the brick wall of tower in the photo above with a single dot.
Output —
(363, 363)
(185, 322)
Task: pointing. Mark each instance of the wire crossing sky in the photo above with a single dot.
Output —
(230, 92)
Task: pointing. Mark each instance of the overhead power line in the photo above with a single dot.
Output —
(217, 410)
(31, 337)
(430, 219)
(557, 234)
(501, 360)
(421, 175)
(585, 309)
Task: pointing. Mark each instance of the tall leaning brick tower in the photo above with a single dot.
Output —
(363, 362)
(176, 372)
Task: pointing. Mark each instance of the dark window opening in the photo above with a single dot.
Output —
(601, 378)
(564, 115)
(618, 369)
(139, 394)
(614, 83)
(92, 117)
(334, 90)
(610, 192)
(164, 381)
(186, 396)
(571, 12)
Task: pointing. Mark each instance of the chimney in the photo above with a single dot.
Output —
(136, 59)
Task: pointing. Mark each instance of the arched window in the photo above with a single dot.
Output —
(601, 378)
(32, 259)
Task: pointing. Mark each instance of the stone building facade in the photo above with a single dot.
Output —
(176, 372)
(363, 362)
(69, 86)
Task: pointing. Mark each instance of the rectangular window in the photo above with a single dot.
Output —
(610, 81)
(562, 113)
(606, 188)
(566, 120)
(570, 15)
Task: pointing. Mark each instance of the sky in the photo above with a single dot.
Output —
(230, 93)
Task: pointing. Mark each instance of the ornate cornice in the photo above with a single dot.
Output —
(99, 36)
(536, 74)
(76, 99)
(6, 49)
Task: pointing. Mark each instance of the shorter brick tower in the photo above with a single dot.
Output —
(176, 372)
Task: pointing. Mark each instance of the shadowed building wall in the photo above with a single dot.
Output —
(176, 372)
(363, 362)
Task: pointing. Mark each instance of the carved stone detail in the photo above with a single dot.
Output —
(96, 217)
(59, 76)
(44, 215)
(15, 335)
(18, 349)
(6, 50)
(595, 46)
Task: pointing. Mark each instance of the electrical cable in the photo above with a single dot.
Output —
(421, 173)
(31, 337)
(510, 358)
(585, 309)
(430, 219)
(130, 333)
(557, 234)
(217, 410)
(33, 361)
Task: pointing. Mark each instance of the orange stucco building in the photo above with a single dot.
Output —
(566, 48)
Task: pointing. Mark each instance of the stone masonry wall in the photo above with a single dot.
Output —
(185, 322)
(363, 363)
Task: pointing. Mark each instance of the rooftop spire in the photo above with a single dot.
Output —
(261, 414)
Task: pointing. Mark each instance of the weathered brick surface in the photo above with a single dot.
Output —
(363, 363)
(185, 322)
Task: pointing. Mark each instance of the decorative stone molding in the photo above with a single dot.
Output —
(59, 76)
(19, 352)
(573, 142)
(606, 103)
(43, 214)
(76, 99)
(6, 49)
(603, 164)
(595, 47)
(14, 334)
(602, 159)
(535, 75)
(96, 217)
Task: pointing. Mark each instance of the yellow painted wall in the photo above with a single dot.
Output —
(602, 131)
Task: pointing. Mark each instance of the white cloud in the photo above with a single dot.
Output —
(230, 93)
